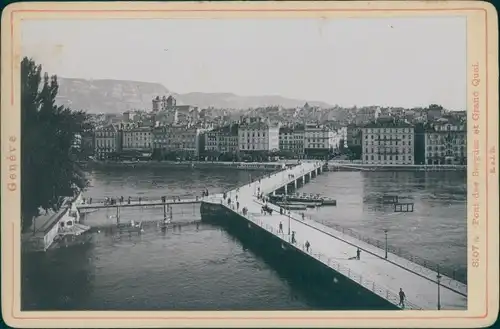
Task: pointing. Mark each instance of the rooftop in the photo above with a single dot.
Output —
(388, 124)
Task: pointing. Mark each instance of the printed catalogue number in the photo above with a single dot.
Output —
(476, 159)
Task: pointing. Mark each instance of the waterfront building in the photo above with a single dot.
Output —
(388, 142)
(137, 138)
(320, 141)
(353, 141)
(107, 141)
(353, 137)
(446, 142)
(222, 140)
(185, 140)
(256, 135)
(291, 139)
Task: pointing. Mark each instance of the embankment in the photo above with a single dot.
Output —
(186, 164)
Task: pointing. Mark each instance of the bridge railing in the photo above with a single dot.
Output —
(169, 198)
(425, 265)
(420, 266)
(377, 288)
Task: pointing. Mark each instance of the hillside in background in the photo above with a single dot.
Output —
(116, 96)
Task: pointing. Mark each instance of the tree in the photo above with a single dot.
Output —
(48, 161)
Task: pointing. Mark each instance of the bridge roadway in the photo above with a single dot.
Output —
(383, 277)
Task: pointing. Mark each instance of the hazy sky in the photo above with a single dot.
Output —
(397, 62)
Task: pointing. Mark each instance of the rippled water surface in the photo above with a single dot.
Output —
(197, 266)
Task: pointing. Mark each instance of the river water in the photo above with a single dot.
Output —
(197, 266)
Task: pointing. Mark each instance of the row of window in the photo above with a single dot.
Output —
(105, 134)
(137, 145)
(386, 137)
(436, 136)
(390, 130)
(388, 158)
(375, 150)
(176, 146)
(387, 143)
(253, 147)
(291, 137)
(442, 141)
(430, 148)
(447, 153)
(253, 134)
(449, 128)
(137, 133)
(317, 146)
(105, 142)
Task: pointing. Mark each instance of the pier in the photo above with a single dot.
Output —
(100, 204)
(377, 272)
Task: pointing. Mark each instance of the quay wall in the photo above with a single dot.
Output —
(271, 166)
(411, 168)
(300, 269)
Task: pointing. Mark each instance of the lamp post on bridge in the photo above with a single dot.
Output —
(385, 232)
(439, 288)
(288, 215)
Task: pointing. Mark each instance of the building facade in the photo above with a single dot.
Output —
(137, 138)
(446, 143)
(292, 139)
(107, 141)
(319, 141)
(353, 137)
(258, 136)
(388, 143)
(223, 139)
(186, 140)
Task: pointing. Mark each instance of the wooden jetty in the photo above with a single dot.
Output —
(145, 204)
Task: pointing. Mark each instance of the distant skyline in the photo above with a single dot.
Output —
(407, 62)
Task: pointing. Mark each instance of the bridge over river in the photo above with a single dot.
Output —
(425, 289)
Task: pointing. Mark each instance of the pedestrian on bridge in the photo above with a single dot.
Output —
(307, 246)
(303, 216)
(121, 199)
(228, 201)
(293, 237)
(358, 254)
(128, 200)
(280, 230)
(402, 298)
(237, 205)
